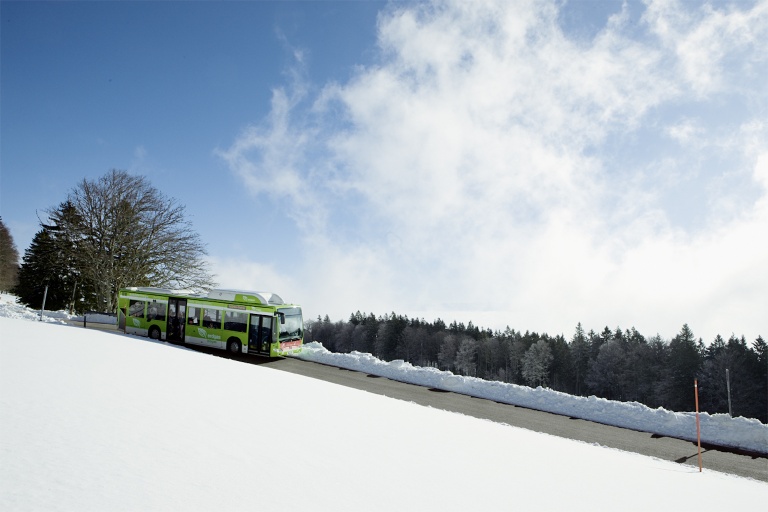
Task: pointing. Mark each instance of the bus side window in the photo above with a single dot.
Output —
(211, 319)
(266, 330)
(136, 308)
(160, 311)
(194, 316)
(235, 321)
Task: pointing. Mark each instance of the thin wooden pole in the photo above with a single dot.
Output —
(42, 308)
(698, 424)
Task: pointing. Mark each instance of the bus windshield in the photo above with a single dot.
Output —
(291, 328)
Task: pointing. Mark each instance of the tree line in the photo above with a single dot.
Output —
(614, 364)
(109, 233)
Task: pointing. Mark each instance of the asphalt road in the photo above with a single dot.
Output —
(726, 460)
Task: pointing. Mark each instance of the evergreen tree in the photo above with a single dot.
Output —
(715, 348)
(390, 336)
(685, 361)
(433, 343)
(63, 222)
(747, 398)
(760, 348)
(517, 352)
(322, 332)
(356, 318)
(344, 334)
(636, 386)
(9, 260)
(359, 338)
(606, 376)
(580, 351)
(492, 358)
(737, 363)
(411, 347)
(598, 340)
(658, 372)
(383, 348)
(44, 267)
(371, 324)
(561, 371)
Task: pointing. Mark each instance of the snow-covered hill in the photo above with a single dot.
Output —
(93, 420)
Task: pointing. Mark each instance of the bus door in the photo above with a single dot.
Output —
(177, 317)
(260, 334)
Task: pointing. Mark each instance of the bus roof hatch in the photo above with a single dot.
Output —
(247, 296)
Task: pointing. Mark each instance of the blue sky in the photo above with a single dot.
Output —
(531, 164)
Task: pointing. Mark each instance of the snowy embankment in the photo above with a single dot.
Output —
(9, 308)
(717, 429)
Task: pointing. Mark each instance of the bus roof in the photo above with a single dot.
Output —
(159, 291)
(247, 296)
(266, 298)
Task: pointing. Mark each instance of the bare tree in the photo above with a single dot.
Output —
(130, 234)
(536, 364)
(466, 356)
(447, 355)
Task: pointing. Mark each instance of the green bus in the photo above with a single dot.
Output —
(241, 322)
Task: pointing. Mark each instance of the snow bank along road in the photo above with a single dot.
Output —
(752, 465)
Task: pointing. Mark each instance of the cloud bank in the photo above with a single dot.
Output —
(491, 166)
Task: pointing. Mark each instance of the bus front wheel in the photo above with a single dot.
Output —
(154, 333)
(233, 346)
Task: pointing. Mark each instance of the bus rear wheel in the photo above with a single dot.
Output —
(233, 346)
(154, 332)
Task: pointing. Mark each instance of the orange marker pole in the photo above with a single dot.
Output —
(698, 425)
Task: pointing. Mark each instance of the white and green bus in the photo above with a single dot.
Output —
(240, 322)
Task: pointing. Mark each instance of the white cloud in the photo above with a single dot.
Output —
(761, 171)
(487, 168)
(140, 159)
(685, 132)
(239, 273)
(707, 41)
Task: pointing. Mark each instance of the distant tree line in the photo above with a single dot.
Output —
(614, 364)
(110, 233)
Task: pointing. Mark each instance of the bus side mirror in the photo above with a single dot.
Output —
(282, 318)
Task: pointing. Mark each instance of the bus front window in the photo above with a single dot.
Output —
(293, 326)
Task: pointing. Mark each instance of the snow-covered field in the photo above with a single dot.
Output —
(93, 420)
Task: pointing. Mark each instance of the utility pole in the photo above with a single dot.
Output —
(42, 308)
(728, 385)
(698, 423)
(72, 302)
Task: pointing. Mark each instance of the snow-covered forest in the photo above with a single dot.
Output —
(614, 364)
